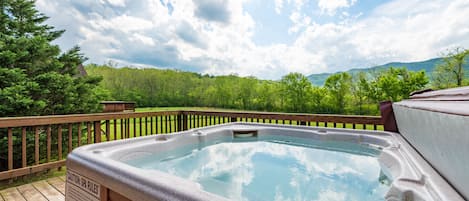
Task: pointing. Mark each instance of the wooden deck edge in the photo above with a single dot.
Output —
(29, 170)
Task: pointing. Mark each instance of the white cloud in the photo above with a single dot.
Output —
(278, 6)
(390, 33)
(330, 6)
(299, 21)
(330, 194)
(99, 44)
(124, 23)
(186, 35)
(142, 39)
(298, 4)
(120, 3)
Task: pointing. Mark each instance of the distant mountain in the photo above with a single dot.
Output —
(427, 66)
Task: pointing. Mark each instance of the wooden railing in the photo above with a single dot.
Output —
(34, 144)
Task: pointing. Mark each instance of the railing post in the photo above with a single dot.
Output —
(48, 151)
(70, 138)
(10, 149)
(97, 131)
(108, 130)
(23, 147)
(184, 121)
(181, 121)
(88, 132)
(59, 144)
(127, 131)
(36, 145)
(233, 119)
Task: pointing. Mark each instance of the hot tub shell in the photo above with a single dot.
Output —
(96, 171)
(436, 124)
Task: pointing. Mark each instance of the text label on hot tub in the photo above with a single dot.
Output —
(83, 183)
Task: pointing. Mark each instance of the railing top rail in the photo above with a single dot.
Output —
(274, 113)
(75, 118)
(293, 116)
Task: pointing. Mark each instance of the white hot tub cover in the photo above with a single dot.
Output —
(436, 124)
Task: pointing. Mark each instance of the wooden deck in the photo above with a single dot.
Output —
(52, 189)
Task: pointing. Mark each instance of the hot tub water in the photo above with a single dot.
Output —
(280, 168)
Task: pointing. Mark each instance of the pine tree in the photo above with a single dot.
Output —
(36, 78)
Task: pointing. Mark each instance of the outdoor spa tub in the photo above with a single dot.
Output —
(251, 161)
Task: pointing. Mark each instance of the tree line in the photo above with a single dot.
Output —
(343, 93)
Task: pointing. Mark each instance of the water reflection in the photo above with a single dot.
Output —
(272, 171)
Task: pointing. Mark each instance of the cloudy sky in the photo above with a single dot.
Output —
(263, 38)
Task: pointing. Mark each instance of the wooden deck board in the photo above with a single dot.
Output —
(12, 194)
(58, 184)
(30, 193)
(62, 177)
(48, 191)
(52, 189)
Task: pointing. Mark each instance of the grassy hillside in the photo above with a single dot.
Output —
(427, 66)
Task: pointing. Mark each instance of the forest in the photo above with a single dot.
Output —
(342, 93)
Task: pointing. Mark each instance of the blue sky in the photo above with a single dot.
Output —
(262, 38)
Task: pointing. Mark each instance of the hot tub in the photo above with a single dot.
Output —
(250, 161)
